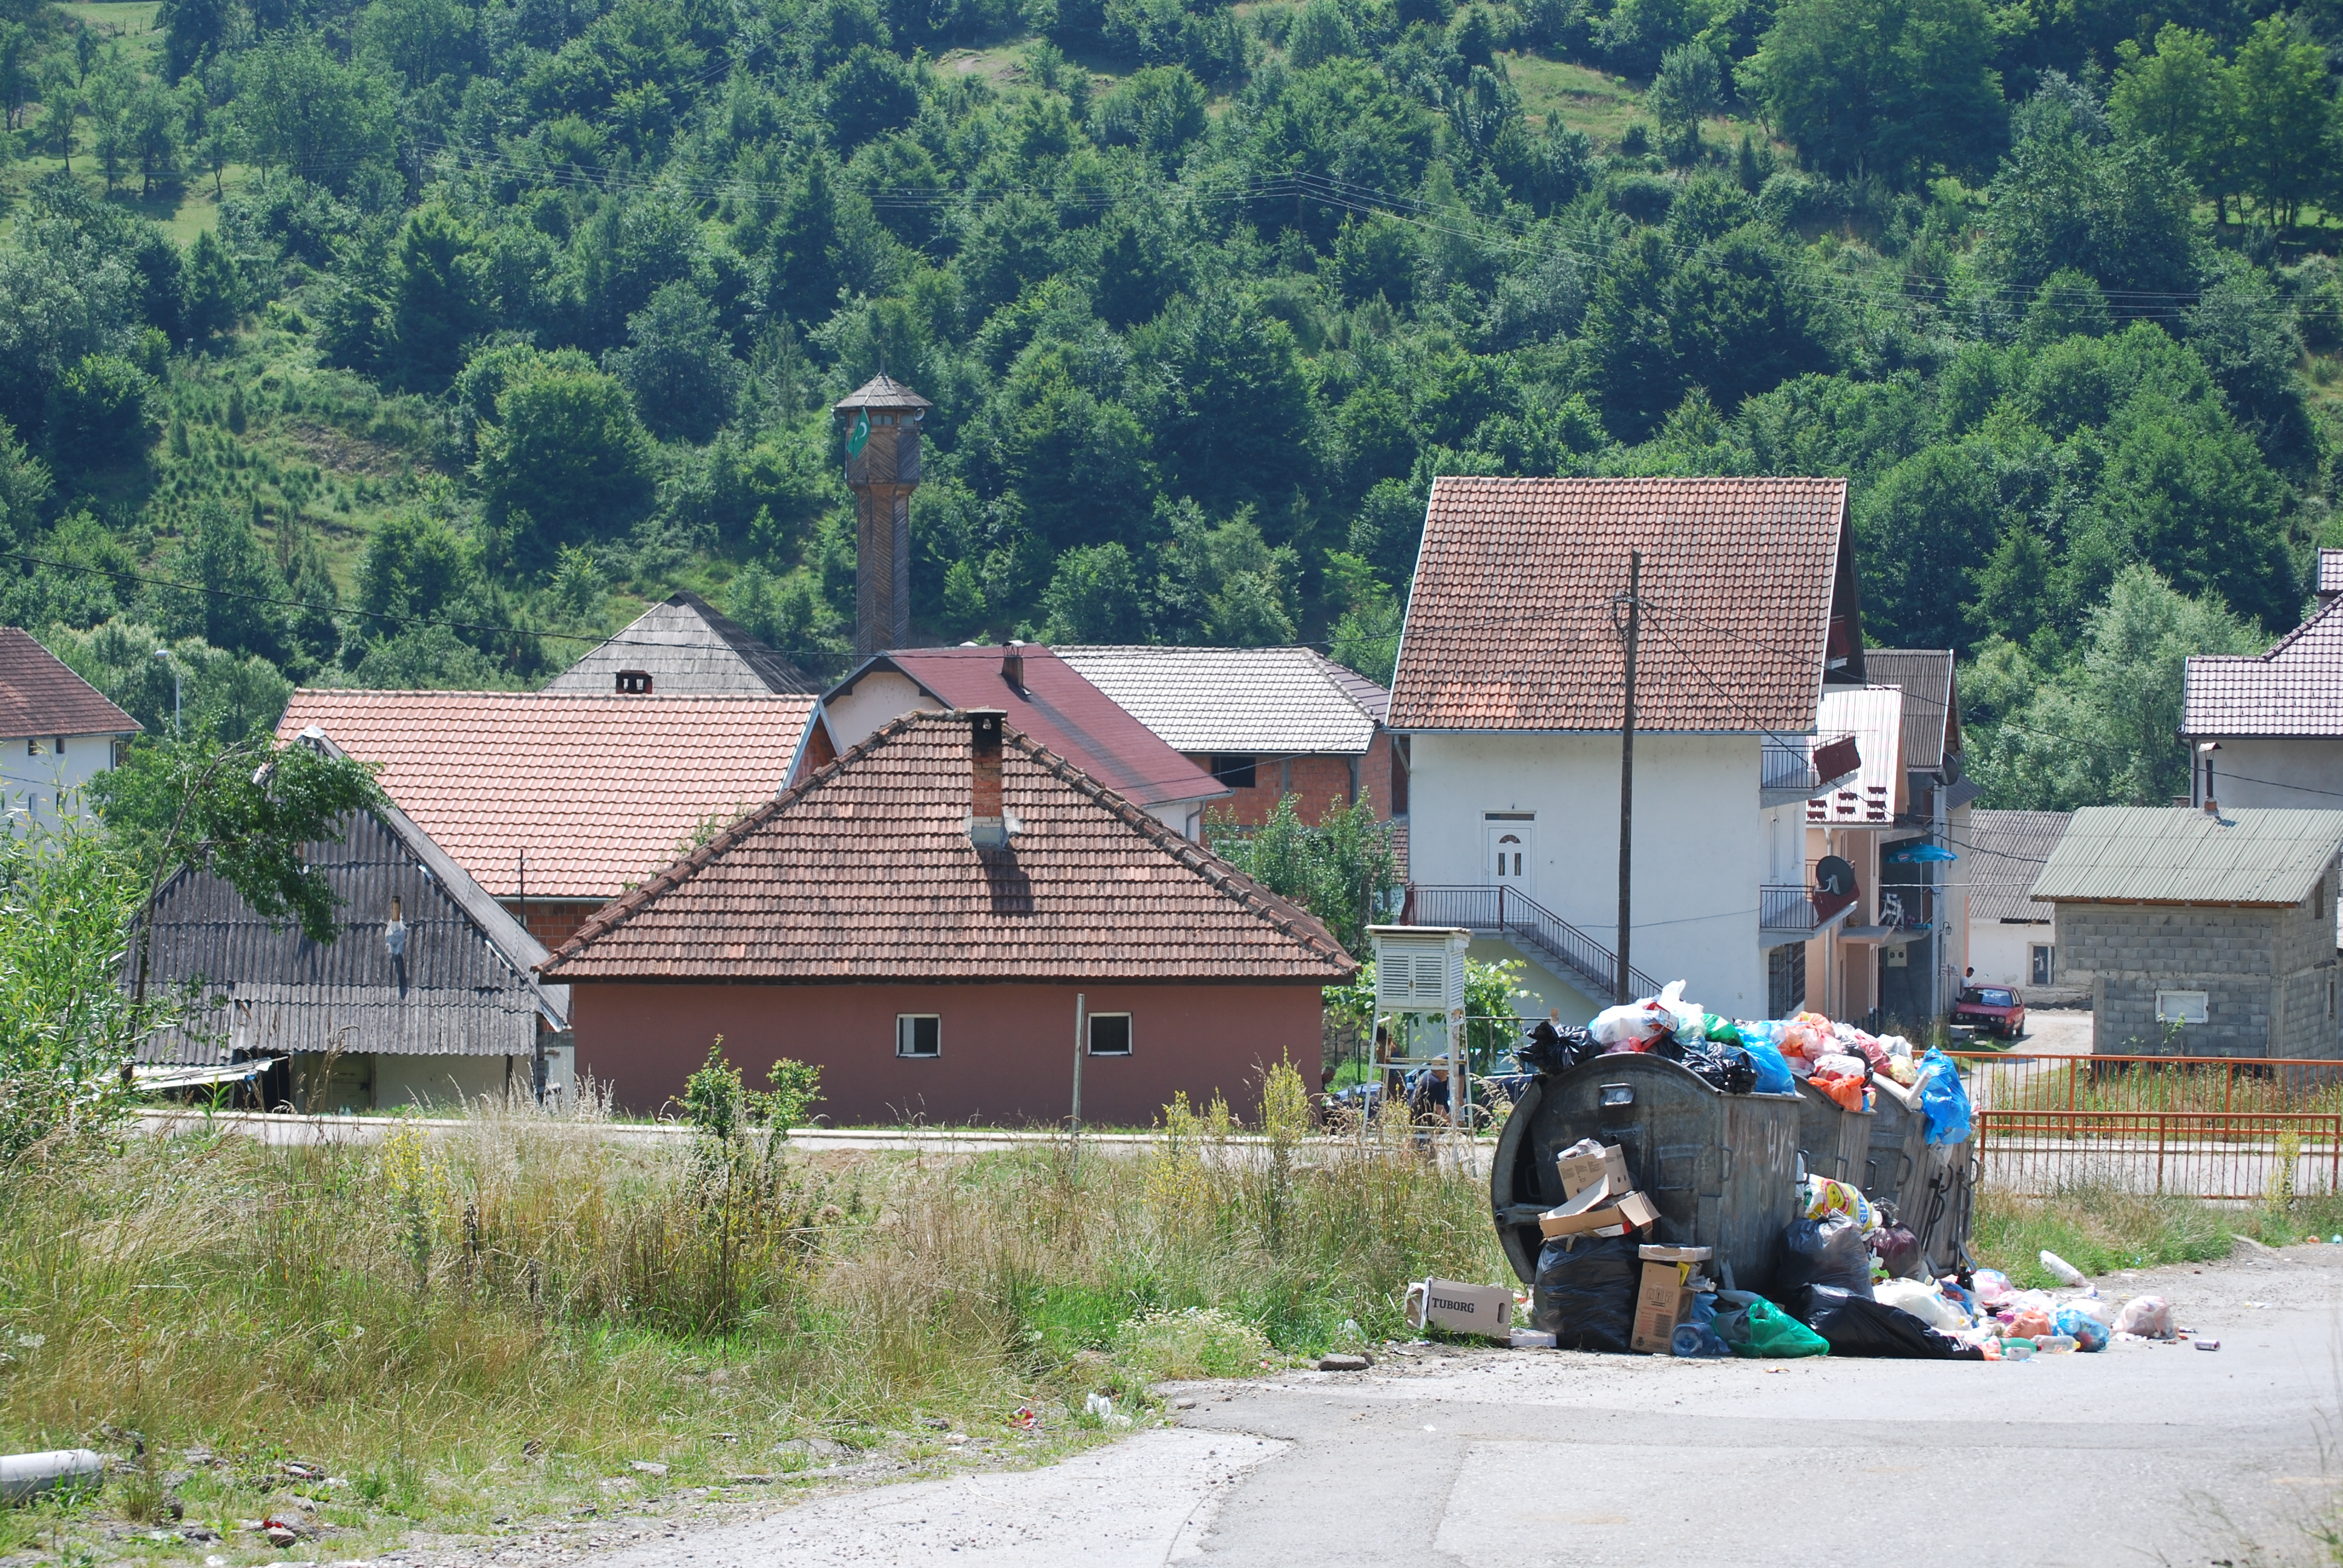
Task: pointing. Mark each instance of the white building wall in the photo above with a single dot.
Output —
(1701, 843)
(2003, 954)
(2264, 770)
(443, 1080)
(34, 776)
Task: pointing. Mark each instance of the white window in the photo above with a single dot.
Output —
(2180, 1006)
(918, 1034)
(2045, 965)
(1109, 1034)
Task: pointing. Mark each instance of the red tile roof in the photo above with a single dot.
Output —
(1510, 625)
(1060, 709)
(600, 791)
(2294, 690)
(864, 872)
(39, 696)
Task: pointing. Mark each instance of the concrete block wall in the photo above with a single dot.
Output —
(2264, 973)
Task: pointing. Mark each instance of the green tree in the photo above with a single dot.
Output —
(566, 458)
(437, 298)
(677, 366)
(2178, 96)
(102, 413)
(193, 31)
(1922, 532)
(211, 290)
(1689, 88)
(237, 602)
(2282, 119)
(1897, 88)
(1094, 597)
(1342, 869)
(312, 116)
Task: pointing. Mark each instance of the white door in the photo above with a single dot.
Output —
(1511, 861)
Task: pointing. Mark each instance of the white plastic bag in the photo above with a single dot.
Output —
(2149, 1317)
(1630, 1023)
(1923, 1301)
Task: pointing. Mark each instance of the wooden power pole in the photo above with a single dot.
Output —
(1622, 987)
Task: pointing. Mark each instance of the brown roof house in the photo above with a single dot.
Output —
(1045, 697)
(2267, 729)
(58, 732)
(557, 804)
(1510, 688)
(924, 917)
(1267, 722)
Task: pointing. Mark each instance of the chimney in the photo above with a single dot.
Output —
(881, 424)
(988, 826)
(1013, 666)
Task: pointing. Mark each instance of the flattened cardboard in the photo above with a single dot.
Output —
(1590, 1212)
(1660, 1305)
(1580, 1171)
(1653, 1253)
(1461, 1309)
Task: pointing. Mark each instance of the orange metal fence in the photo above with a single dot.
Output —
(2220, 1128)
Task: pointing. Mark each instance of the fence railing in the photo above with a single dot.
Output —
(2223, 1128)
(1507, 912)
(1806, 767)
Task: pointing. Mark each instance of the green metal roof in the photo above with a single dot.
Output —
(2180, 855)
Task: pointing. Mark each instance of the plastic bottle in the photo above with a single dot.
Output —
(2017, 1350)
(2065, 1272)
(1697, 1341)
(2056, 1345)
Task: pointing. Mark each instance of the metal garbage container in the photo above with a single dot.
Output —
(1722, 1169)
(1932, 1186)
(1836, 1141)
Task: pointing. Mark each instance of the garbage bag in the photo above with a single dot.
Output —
(1944, 1103)
(2147, 1316)
(1552, 1050)
(1855, 1325)
(2088, 1332)
(1824, 1252)
(1762, 1329)
(1923, 1301)
(1585, 1294)
(1722, 1031)
(1773, 1072)
(1630, 1026)
(1897, 1250)
(1992, 1287)
(1825, 1196)
(1724, 1067)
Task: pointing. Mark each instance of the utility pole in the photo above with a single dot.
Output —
(1622, 987)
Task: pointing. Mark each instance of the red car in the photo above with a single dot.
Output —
(1994, 1010)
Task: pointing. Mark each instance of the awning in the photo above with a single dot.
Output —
(165, 1076)
(1914, 854)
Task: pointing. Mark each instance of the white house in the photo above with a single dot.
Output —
(57, 733)
(2013, 940)
(2267, 729)
(1510, 685)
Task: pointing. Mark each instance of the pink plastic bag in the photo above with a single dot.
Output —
(2150, 1317)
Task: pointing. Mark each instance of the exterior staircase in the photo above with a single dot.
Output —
(1509, 915)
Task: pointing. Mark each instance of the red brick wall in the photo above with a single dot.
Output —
(1320, 780)
(552, 921)
(1007, 1056)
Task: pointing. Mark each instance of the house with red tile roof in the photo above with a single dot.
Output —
(1044, 697)
(1510, 688)
(557, 803)
(2267, 730)
(58, 732)
(934, 918)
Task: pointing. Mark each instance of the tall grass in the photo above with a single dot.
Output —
(521, 1305)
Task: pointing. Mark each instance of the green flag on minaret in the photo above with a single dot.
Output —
(859, 436)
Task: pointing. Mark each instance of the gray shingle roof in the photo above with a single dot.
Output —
(2180, 855)
(1274, 700)
(690, 650)
(2296, 688)
(1931, 715)
(2002, 853)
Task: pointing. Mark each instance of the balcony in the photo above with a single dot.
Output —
(1792, 772)
(1793, 914)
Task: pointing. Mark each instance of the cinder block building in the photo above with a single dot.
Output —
(2217, 930)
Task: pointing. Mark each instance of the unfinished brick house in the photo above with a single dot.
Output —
(557, 804)
(923, 918)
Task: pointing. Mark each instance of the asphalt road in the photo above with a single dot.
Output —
(1490, 1458)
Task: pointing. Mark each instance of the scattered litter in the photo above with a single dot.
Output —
(1098, 1405)
(1342, 1363)
(1183, 1403)
(1532, 1340)
(2065, 1272)
(1025, 1420)
(651, 1467)
(2208, 1344)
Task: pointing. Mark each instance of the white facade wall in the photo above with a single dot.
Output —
(2003, 954)
(35, 775)
(2269, 770)
(1703, 843)
(403, 1081)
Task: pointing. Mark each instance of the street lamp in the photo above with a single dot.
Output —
(177, 688)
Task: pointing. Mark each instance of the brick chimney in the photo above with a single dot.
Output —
(987, 824)
(881, 425)
(1013, 666)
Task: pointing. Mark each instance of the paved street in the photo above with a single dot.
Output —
(1520, 1458)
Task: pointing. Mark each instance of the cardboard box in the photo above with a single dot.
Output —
(1660, 1305)
(1595, 1211)
(1580, 1171)
(1461, 1309)
(1658, 1254)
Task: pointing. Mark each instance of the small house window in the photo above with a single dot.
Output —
(1109, 1034)
(918, 1034)
(2045, 967)
(1236, 772)
(2181, 1007)
(634, 683)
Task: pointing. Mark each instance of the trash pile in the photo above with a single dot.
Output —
(1846, 1276)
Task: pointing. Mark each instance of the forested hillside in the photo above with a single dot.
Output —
(406, 343)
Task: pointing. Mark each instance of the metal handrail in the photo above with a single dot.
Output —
(1509, 911)
(1784, 908)
(1783, 765)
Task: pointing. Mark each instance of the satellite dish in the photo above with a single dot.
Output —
(1834, 874)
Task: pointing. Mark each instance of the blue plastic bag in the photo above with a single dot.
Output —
(1943, 1103)
(2088, 1332)
(1773, 1072)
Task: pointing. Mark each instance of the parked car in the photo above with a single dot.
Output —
(1994, 1009)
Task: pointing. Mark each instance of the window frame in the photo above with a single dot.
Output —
(1236, 769)
(2042, 962)
(2203, 1007)
(1090, 1035)
(906, 1036)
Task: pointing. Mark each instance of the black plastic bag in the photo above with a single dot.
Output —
(1726, 1067)
(1551, 1049)
(1858, 1326)
(1895, 1246)
(1824, 1252)
(1586, 1291)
